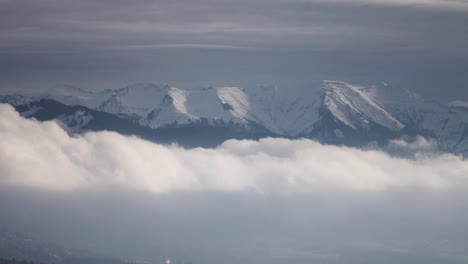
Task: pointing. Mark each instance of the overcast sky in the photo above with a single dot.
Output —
(417, 44)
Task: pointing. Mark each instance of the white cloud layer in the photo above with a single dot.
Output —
(42, 155)
(448, 4)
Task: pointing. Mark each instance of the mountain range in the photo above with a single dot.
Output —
(333, 113)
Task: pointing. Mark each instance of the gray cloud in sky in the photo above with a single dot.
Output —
(101, 44)
(306, 24)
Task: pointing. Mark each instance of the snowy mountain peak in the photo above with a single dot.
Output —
(72, 95)
(136, 100)
(357, 106)
(183, 106)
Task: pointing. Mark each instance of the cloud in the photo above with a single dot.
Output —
(413, 147)
(42, 155)
(444, 4)
(418, 143)
(180, 46)
(63, 25)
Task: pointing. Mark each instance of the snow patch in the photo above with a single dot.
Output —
(355, 106)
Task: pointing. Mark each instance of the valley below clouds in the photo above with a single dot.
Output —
(269, 201)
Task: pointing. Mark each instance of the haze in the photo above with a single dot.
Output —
(418, 45)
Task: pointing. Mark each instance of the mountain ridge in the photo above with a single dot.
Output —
(337, 112)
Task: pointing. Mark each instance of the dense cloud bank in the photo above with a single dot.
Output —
(42, 155)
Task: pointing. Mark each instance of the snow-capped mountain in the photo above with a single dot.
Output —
(357, 106)
(71, 95)
(273, 109)
(280, 111)
(400, 110)
(136, 100)
(337, 112)
(181, 107)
